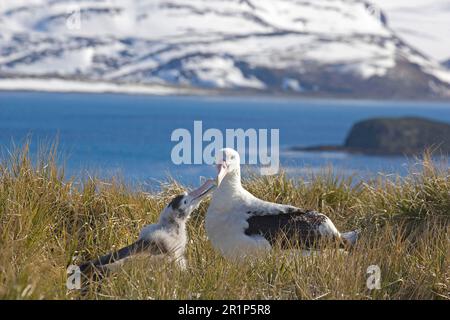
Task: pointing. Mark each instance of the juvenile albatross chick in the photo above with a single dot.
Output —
(167, 237)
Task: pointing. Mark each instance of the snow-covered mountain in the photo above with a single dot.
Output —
(446, 64)
(311, 47)
(424, 24)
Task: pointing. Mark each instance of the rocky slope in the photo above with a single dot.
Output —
(307, 47)
(399, 136)
(446, 64)
(394, 136)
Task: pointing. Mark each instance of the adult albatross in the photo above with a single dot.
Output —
(238, 224)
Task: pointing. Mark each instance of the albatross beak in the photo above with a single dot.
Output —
(221, 172)
(202, 191)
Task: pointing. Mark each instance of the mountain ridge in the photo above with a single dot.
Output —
(321, 48)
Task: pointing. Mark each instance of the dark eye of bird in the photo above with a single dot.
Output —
(175, 203)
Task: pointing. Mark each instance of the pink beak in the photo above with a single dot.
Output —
(221, 172)
(203, 190)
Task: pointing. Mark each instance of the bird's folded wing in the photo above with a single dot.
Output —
(286, 224)
(137, 247)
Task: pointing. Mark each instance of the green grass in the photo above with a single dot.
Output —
(48, 221)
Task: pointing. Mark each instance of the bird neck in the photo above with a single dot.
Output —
(232, 181)
(170, 222)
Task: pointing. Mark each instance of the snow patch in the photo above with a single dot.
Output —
(59, 85)
(290, 84)
(220, 72)
(69, 62)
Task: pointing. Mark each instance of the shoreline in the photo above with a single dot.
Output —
(350, 151)
(57, 85)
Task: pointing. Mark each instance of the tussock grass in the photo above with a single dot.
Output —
(47, 219)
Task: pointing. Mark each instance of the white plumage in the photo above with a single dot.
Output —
(238, 224)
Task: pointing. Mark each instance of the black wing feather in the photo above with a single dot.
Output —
(290, 227)
(133, 249)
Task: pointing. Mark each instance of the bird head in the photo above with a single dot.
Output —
(228, 162)
(181, 206)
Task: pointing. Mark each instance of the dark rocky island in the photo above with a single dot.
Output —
(393, 136)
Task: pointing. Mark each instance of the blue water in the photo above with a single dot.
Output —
(129, 135)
